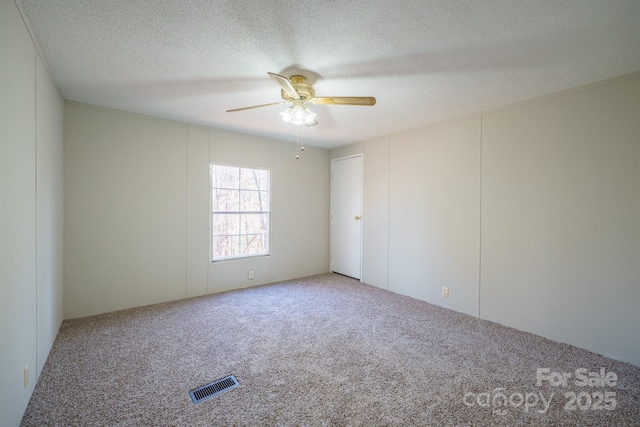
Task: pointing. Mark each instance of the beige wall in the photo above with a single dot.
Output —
(529, 214)
(347, 150)
(125, 206)
(434, 207)
(49, 211)
(137, 210)
(31, 220)
(561, 218)
(375, 213)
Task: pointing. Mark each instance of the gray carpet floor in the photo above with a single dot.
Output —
(320, 351)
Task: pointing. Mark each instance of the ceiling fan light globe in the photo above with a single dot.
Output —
(287, 115)
(310, 119)
(298, 113)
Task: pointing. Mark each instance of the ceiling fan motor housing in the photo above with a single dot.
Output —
(305, 91)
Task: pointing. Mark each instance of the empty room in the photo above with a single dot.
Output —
(268, 213)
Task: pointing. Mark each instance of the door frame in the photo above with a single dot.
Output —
(361, 156)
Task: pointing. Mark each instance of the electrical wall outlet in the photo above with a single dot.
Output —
(445, 292)
(26, 375)
(251, 275)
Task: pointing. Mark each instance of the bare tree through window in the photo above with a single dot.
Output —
(240, 211)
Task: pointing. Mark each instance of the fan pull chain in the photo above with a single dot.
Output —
(297, 142)
(302, 149)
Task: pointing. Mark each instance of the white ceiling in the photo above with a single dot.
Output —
(424, 61)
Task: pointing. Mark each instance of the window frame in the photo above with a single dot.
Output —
(212, 212)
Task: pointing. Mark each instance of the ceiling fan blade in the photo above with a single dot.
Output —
(344, 100)
(285, 84)
(256, 106)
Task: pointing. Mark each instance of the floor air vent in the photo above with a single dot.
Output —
(213, 389)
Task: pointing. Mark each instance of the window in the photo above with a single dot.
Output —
(240, 200)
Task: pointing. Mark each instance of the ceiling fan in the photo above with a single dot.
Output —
(298, 92)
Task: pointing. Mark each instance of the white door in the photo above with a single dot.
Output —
(346, 216)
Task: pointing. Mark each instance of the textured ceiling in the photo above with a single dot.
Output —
(424, 61)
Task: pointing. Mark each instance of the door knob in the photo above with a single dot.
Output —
(357, 217)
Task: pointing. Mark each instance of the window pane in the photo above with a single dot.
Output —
(254, 179)
(226, 177)
(254, 244)
(226, 246)
(225, 200)
(254, 223)
(225, 224)
(254, 201)
(240, 211)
